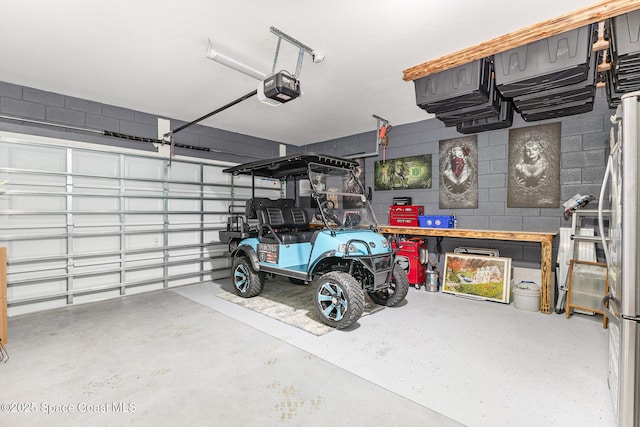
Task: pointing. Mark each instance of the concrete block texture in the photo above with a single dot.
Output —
(472, 222)
(499, 137)
(19, 108)
(582, 124)
(498, 166)
(78, 104)
(42, 97)
(10, 90)
(583, 159)
(145, 118)
(532, 255)
(544, 224)
(483, 195)
(490, 209)
(595, 141)
(136, 129)
(118, 112)
(498, 180)
(593, 175)
(522, 211)
(584, 149)
(507, 223)
(102, 123)
(571, 143)
(187, 138)
(498, 195)
(65, 116)
(492, 152)
(484, 168)
(571, 176)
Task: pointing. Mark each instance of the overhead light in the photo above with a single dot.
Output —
(235, 65)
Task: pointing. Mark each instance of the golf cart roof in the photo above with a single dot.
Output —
(295, 165)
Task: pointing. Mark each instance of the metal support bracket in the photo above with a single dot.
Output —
(317, 57)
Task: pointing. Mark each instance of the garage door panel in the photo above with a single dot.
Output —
(42, 159)
(90, 204)
(137, 204)
(145, 274)
(96, 243)
(84, 224)
(144, 168)
(37, 288)
(96, 163)
(32, 204)
(40, 248)
(95, 221)
(17, 309)
(95, 279)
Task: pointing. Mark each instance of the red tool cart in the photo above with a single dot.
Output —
(413, 257)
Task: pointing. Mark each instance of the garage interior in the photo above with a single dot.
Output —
(117, 293)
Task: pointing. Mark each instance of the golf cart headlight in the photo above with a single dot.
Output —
(385, 243)
(343, 248)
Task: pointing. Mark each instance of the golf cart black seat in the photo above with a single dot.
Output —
(283, 225)
(253, 205)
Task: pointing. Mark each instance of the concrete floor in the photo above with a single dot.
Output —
(187, 357)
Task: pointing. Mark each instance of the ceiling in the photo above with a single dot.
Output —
(149, 55)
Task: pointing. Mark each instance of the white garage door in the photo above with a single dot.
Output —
(82, 224)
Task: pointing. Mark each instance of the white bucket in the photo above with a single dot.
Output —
(526, 296)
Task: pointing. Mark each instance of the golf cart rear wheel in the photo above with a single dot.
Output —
(246, 281)
(397, 290)
(338, 299)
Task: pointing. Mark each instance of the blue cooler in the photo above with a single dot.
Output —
(436, 221)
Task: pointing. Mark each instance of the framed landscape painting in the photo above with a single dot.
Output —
(477, 276)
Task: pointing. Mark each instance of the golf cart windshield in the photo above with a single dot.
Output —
(340, 197)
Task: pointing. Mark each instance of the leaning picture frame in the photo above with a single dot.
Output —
(477, 276)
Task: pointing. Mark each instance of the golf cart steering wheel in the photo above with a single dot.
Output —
(328, 209)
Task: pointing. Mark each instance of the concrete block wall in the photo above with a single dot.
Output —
(34, 104)
(584, 150)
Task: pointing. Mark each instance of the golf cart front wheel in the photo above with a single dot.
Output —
(397, 290)
(338, 299)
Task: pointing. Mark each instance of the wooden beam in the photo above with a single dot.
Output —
(588, 15)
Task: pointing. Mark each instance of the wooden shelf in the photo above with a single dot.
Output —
(570, 21)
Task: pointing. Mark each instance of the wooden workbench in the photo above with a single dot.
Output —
(545, 239)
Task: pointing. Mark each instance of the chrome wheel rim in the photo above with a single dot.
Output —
(332, 301)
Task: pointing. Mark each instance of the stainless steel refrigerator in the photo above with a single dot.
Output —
(620, 188)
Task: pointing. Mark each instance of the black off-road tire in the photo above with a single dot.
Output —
(396, 292)
(338, 299)
(247, 282)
